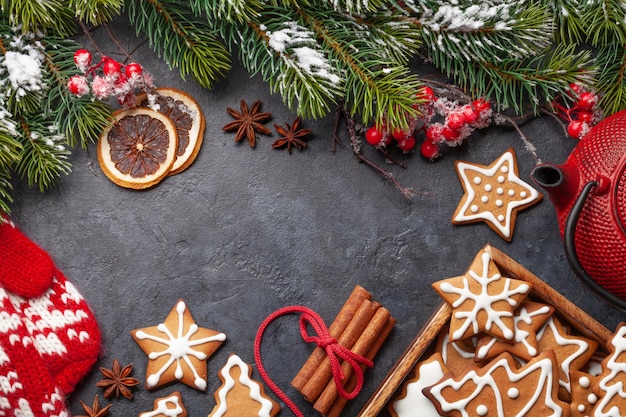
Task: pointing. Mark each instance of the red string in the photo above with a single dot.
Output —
(325, 341)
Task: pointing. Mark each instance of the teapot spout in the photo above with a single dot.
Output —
(561, 182)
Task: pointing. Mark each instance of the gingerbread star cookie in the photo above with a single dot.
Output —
(482, 300)
(611, 385)
(170, 406)
(493, 194)
(240, 395)
(177, 349)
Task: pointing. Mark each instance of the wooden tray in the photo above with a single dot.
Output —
(573, 315)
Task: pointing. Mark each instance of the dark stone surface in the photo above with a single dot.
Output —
(245, 231)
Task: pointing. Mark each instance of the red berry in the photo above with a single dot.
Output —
(399, 134)
(77, 85)
(469, 114)
(375, 137)
(455, 120)
(111, 67)
(407, 144)
(575, 128)
(133, 69)
(82, 58)
(585, 116)
(430, 150)
(450, 134)
(587, 100)
(434, 133)
(576, 89)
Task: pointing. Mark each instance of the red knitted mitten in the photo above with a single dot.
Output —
(25, 269)
(26, 388)
(64, 331)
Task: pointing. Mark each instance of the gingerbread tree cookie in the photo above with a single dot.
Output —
(612, 382)
(493, 194)
(240, 395)
(501, 389)
(177, 349)
(482, 300)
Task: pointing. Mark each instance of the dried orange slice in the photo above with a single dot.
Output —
(188, 117)
(139, 149)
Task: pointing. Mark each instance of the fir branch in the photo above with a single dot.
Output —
(5, 189)
(43, 157)
(11, 149)
(569, 25)
(485, 32)
(604, 21)
(612, 78)
(232, 11)
(30, 16)
(96, 12)
(182, 40)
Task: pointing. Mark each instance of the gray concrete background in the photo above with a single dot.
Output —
(245, 231)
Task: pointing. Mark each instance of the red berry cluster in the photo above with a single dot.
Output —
(109, 78)
(443, 121)
(582, 114)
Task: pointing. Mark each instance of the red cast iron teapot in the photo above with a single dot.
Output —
(589, 194)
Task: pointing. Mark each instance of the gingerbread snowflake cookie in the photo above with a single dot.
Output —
(177, 349)
(482, 300)
(493, 194)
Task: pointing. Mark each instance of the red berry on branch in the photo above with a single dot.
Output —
(407, 144)
(576, 89)
(587, 100)
(111, 67)
(82, 59)
(434, 133)
(455, 120)
(77, 85)
(133, 69)
(575, 128)
(469, 114)
(376, 137)
(430, 150)
(449, 134)
(426, 93)
(399, 134)
(585, 116)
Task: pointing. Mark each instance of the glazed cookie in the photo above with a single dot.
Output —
(501, 389)
(240, 395)
(426, 373)
(572, 352)
(493, 194)
(170, 406)
(178, 349)
(528, 319)
(482, 300)
(611, 386)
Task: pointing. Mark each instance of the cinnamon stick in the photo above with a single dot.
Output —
(362, 347)
(314, 386)
(336, 328)
(340, 402)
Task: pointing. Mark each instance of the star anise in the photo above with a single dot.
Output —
(95, 410)
(248, 122)
(117, 380)
(292, 136)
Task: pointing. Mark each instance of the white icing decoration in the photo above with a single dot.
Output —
(474, 208)
(244, 379)
(581, 408)
(584, 382)
(484, 199)
(524, 197)
(461, 352)
(483, 301)
(500, 190)
(512, 393)
(430, 373)
(482, 410)
(592, 398)
(179, 347)
(511, 193)
(499, 203)
(501, 217)
(477, 180)
(611, 386)
(488, 383)
(163, 409)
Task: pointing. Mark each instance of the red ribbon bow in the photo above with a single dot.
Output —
(325, 341)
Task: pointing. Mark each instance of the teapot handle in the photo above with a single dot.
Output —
(572, 256)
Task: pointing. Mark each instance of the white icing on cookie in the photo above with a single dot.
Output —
(167, 406)
(612, 382)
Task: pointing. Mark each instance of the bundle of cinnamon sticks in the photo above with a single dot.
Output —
(362, 325)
